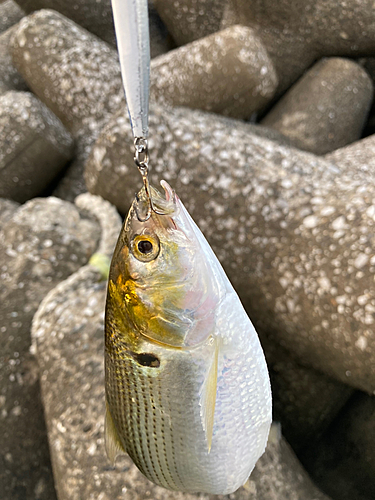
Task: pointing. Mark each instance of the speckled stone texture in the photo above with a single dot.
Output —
(10, 79)
(41, 243)
(293, 231)
(10, 13)
(359, 155)
(228, 72)
(63, 64)
(326, 109)
(7, 208)
(299, 34)
(73, 73)
(72, 358)
(78, 77)
(189, 20)
(34, 146)
(343, 461)
(94, 15)
(185, 76)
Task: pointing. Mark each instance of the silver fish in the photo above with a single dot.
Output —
(187, 387)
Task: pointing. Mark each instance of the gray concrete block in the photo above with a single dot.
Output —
(10, 79)
(228, 73)
(10, 14)
(189, 20)
(326, 109)
(41, 243)
(34, 146)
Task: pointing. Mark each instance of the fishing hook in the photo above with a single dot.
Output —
(141, 158)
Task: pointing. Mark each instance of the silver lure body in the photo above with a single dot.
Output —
(132, 33)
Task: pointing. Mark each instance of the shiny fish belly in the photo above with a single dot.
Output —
(157, 412)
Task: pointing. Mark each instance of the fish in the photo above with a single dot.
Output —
(188, 395)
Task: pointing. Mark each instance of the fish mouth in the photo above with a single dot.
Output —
(147, 204)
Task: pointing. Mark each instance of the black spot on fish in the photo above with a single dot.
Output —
(147, 359)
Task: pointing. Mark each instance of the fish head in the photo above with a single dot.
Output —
(161, 273)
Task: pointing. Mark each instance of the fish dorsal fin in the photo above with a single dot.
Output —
(208, 394)
(113, 445)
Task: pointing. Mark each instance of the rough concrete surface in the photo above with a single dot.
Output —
(294, 37)
(34, 146)
(326, 109)
(228, 72)
(189, 20)
(10, 14)
(94, 15)
(78, 77)
(10, 79)
(359, 155)
(64, 63)
(299, 34)
(75, 74)
(41, 243)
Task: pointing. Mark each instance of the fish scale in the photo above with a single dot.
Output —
(143, 425)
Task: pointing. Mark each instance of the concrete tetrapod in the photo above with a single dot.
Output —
(326, 109)
(34, 146)
(78, 77)
(41, 243)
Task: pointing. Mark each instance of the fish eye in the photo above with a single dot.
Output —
(145, 247)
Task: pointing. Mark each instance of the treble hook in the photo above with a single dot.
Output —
(141, 158)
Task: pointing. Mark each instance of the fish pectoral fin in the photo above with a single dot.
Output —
(113, 446)
(208, 395)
